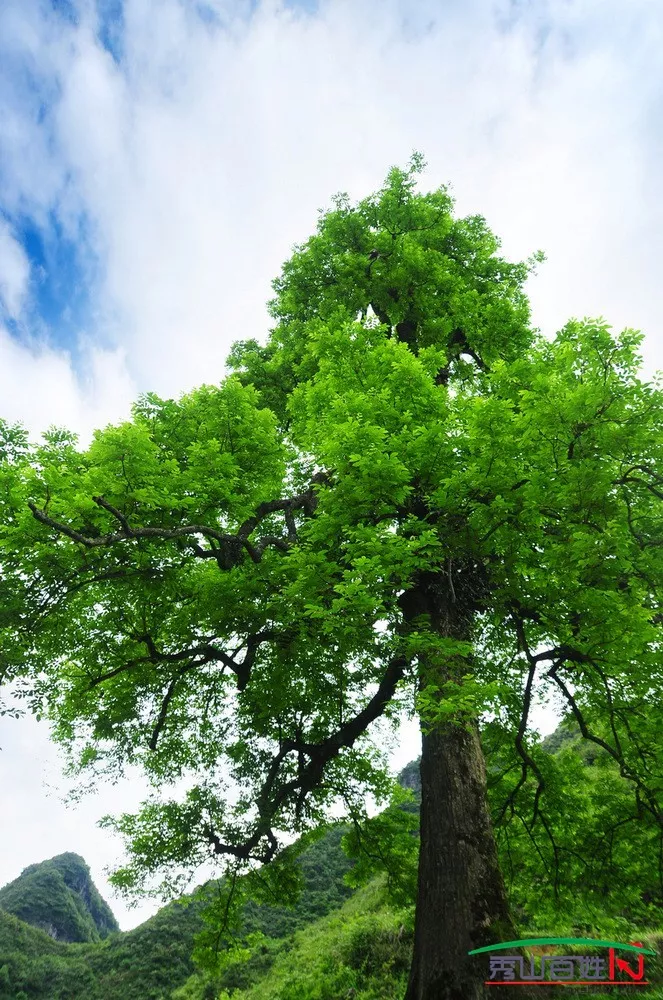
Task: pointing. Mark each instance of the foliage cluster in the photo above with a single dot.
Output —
(361, 951)
(593, 865)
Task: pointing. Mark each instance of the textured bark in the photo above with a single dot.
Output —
(461, 899)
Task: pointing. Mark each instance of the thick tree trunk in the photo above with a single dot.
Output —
(461, 899)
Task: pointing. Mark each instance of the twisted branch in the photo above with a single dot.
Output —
(230, 547)
(272, 798)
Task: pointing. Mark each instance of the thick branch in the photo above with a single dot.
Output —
(273, 798)
(229, 552)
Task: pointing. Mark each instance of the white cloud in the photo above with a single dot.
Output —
(39, 387)
(204, 157)
(14, 272)
(36, 823)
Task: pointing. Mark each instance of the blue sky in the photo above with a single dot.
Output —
(61, 269)
(159, 159)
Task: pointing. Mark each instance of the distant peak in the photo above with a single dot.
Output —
(59, 896)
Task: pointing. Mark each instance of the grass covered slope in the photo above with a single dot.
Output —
(360, 951)
(59, 897)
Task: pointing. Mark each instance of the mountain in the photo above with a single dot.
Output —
(410, 777)
(154, 959)
(59, 897)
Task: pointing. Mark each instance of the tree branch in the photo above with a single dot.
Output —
(271, 798)
(203, 653)
(229, 552)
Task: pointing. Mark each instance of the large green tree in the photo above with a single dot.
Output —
(407, 497)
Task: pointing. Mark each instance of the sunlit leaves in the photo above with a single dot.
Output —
(166, 607)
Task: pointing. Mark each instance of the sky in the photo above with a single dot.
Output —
(160, 158)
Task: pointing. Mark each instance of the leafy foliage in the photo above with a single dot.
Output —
(597, 863)
(387, 844)
(227, 589)
(362, 951)
(594, 865)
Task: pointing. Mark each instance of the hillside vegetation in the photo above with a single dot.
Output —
(349, 937)
(151, 961)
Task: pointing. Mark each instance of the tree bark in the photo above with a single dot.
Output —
(461, 898)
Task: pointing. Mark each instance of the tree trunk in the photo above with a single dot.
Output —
(461, 899)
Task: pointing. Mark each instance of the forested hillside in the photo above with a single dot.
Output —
(59, 897)
(152, 960)
(338, 942)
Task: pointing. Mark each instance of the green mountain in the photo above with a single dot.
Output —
(411, 778)
(61, 948)
(59, 897)
(154, 959)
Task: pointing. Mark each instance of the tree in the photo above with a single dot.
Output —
(408, 496)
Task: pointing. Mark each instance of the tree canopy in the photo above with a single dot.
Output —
(229, 585)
